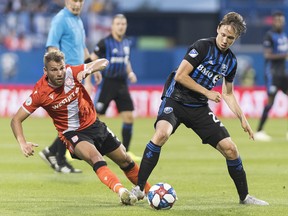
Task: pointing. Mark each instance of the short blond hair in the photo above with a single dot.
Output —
(54, 55)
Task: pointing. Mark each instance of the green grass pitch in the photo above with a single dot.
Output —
(198, 173)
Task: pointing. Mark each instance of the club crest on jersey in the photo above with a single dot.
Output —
(51, 96)
(28, 101)
(193, 53)
(126, 50)
(223, 68)
(168, 110)
(69, 81)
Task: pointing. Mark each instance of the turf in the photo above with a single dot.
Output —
(197, 172)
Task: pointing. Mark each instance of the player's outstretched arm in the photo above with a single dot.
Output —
(27, 148)
(92, 67)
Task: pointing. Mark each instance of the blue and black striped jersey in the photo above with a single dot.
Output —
(278, 42)
(118, 54)
(209, 65)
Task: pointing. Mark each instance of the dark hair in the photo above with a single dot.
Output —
(55, 55)
(277, 13)
(236, 21)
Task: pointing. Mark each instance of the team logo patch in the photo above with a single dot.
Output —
(193, 53)
(69, 81)
(224, 68)
(168, 110)
(126, 50)
(75, 138)
(28, 101)
(51, 96)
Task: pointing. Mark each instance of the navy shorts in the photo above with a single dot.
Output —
(200, 119)
(113, 89)
(276, 83)
(98, 134)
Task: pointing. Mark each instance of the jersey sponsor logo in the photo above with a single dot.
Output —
(282, 44)
(216, 78)
(65, 100)
(28, 101)
(193, 53)
(210, 74)
(118, 60)
(168, 110)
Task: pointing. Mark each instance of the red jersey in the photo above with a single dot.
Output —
(70, 106)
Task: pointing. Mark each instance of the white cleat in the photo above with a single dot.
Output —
(126, 197)
(138, 193)
(250, 200)
(262, 136)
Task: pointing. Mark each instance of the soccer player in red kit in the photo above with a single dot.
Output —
(66, 101)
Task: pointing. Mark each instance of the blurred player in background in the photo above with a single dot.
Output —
(116, 48)
(61, 93)
(275, 53)
(185, 100)
(66, 34)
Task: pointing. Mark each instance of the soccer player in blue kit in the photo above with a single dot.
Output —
(116, 48)
(185, 100)
(275, 52)
(68, 35)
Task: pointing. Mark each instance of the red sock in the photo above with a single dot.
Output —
(132, 175)
(108, 178)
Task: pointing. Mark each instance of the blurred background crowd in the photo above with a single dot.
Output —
(160, 31)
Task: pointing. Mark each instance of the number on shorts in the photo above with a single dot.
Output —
(215, 119)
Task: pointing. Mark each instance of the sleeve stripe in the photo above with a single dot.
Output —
(26, 110)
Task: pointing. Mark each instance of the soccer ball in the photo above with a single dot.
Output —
(161, 196)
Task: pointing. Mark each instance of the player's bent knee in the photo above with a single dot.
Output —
(161, 136)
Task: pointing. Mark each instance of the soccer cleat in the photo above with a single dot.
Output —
(134, 157)
(138, 193)
(48, 157)
(126, 197)
(250, 200)
(66, 168)
(262, 136)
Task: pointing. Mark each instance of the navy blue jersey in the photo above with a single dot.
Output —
(278, 42)
(118, 54)
(209, 64)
